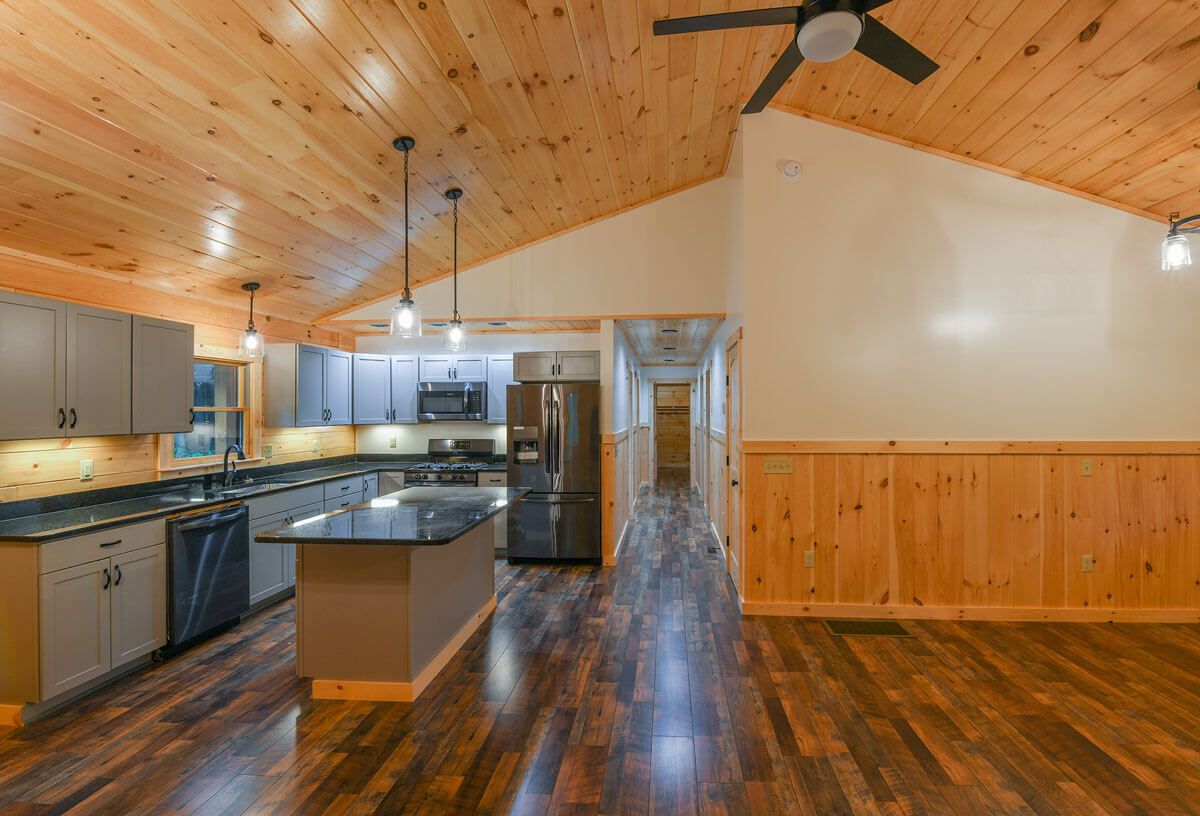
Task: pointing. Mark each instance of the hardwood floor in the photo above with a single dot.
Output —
(640, 690)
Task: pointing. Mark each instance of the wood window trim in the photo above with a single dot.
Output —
(250, 387)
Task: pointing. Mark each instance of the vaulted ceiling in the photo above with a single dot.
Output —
(192, 146)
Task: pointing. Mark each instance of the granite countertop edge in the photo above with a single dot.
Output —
(340, 472)
(515, 494)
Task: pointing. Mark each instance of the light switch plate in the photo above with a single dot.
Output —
(810, 559)
(391, 442)
(1085, 467)
(316, 446)
(267, 451)
(1089, 563)
(86, 469)
(777, 464)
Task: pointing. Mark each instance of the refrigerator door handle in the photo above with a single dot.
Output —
(546, 431)
(531, 499)
(557, 437)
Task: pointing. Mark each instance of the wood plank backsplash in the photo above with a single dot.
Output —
(938, 535)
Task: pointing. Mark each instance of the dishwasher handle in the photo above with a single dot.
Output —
(209, 521)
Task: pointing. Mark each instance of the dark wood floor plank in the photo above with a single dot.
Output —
(638, 690)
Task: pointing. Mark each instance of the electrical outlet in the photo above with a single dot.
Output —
(810, 559)
(267, 451)
(1085, 467)
(86, 469)
(1089, 562)
(391, 442)
(316, 446)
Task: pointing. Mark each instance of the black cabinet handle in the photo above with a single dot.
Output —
(111, 543)
(62, 418)
(107, 580)
(74, 417)
(118, 569)
(345, 487)
(191, 416)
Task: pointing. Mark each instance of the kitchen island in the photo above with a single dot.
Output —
(388, 590)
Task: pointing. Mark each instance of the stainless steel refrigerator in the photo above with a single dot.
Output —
(554, 449)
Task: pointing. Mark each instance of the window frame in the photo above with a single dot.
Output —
(248, 375)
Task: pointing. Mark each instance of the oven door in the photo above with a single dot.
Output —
(442, 401)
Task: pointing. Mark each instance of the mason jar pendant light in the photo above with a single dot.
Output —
(1176, 251)
(406, 315)
(250, 344)
(456, 336)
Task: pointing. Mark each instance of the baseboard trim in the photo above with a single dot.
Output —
(10, 715)
(383, 691)
(971, 613)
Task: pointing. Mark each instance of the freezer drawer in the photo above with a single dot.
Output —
(555, 526)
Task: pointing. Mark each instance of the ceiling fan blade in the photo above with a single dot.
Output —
(889, 49)
(789, 15)
(780, 73)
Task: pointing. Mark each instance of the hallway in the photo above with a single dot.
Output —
(640, 690)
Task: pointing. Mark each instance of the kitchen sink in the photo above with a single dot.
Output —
(246, 490)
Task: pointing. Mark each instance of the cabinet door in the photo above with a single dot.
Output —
(534, 366)
(372, 389)
(310, 386)
(404, 390)
(139, 603)
(33, 367)
(99, 365)
(500, 375)
(437, 368)
(339, 382)
(370, 487)
(76, 628)
(268, 560)
(162, 376)
(579, 365)
(470, 368)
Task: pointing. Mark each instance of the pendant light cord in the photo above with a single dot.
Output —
(251, 309)
(456, 259)
(407, 292)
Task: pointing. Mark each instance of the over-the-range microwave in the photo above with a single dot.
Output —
(451, 401)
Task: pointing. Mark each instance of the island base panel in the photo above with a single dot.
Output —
(375, 621)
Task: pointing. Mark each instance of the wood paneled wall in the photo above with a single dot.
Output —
(672, 415)
(615, 450)
(970, 534)
(44, 467)
(643, 453)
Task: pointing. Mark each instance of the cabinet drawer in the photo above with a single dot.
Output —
(342, 502)
(343, 487)
(70, 552)
(275, 503)
(492, 479)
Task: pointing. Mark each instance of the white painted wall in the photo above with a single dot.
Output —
(894, 294)
(664, 257)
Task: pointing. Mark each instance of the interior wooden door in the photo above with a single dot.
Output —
(733, 441)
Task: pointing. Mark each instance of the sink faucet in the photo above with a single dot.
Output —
(227, 476)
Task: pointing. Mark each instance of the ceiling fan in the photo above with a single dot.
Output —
(826, 30)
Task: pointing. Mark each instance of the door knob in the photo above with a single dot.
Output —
(734, 483)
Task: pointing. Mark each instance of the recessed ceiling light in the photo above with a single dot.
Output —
(670, 331)
(668, 348)
(497, 322)
(438, 324)
(670, 359)
(379, 325)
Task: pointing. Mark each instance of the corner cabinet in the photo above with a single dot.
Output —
(500, 376)
(308, 386)
(162, 376)
(556, 366)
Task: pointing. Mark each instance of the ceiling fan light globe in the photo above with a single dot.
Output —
(829, 36)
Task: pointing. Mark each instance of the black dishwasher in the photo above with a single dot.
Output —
(208, 567)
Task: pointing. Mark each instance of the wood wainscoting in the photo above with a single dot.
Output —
(973, 530)
(617, 498)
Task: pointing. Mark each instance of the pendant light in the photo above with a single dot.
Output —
(456, 336)
(406, 315)
(250, 344)
(1176, 251)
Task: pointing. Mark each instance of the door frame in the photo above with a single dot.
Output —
(733, 524)
(652, 441)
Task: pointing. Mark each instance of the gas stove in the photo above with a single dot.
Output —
(453, 463)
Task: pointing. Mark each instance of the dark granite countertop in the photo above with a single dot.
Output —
(60, 517)
(421, 516)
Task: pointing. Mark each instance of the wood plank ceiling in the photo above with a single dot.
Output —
(193, 146)
(678, 342)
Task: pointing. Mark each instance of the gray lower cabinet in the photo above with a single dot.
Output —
(489, 478)
(273, 565)
(372, 389)
(370, 487)
(307, 386)
(33, 367)
(500, 376)
(99, 371)
(162, 376)
(100, 615)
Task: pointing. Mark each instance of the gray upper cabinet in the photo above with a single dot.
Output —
(308, 386)
(404, 390)
(339, 387)
(556, 366)
(453, 368)
(33, 367)
(372, 389)
(500, 374)
(99, 362)
(162, 376)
